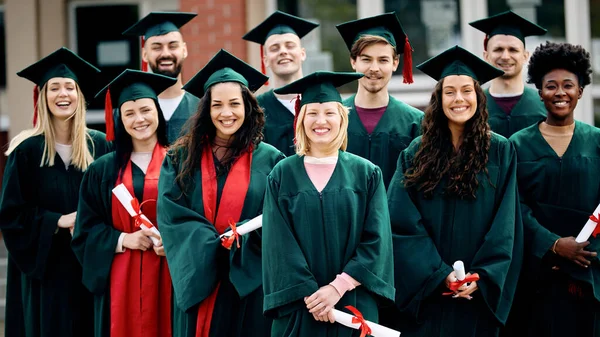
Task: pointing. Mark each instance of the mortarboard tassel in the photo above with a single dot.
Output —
(296, 113)
(407, 73)
(108, 117)
(36, 93)
(263, 69)
(144, 63)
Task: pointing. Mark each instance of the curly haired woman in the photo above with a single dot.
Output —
(557, 170)
(454, 197)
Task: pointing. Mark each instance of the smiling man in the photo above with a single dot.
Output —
(511, 105)
(165, 51)
(380, 126)
(281, 51)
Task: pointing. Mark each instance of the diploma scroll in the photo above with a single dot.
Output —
(459, 270)
(590, 227)
(248, 227)
(125, 199)
(376, 329)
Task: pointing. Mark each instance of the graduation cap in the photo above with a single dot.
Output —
(276, 24)
(131, 85)
(156, 24)
(458, 61)
(507, 23)
(318, 87)
(224, 67)
(386, 26)
(61, 63)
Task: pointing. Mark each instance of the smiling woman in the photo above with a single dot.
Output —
(558, 165)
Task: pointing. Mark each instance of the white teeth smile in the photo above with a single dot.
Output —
(141, 128)
(561, 103)
(459, 109)
(321, 130)
(63, 104)
(228, 122)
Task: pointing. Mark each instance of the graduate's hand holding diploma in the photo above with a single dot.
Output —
(140, 240)
(570, 249)
(462, 285)
(159, 249)
(321, 303)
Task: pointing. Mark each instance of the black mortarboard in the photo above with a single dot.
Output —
(224, 67)
(385, 25)
(458, 61)
(159, 23)
(507, 23)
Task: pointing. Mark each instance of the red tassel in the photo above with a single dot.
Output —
(36, 94)
(263, 69)
(108, 117)
(297, 112)
(485, 41)
(144, 63)
(407, 73)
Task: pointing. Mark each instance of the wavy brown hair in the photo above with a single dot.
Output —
(436, 157)
(187, 150)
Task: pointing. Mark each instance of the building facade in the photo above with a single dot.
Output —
(33, 28)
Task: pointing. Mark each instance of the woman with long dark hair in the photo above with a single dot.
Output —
(214, 179)
(558, 165)
(454, 198)
(122, 267)
(40, 186)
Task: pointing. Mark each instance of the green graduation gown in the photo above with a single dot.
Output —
(558, 194)
(95, 239)
(45, 295)
(197, 261)
(431, 234)
(529, 110)
(279, 123)
(186, 108)
(398, 126)
(309, 237)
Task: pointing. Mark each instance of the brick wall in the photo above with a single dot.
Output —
(219, 24)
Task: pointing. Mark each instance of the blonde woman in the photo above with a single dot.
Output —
(45, 165)
(326, 232)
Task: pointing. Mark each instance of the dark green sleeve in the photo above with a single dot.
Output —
(418, 267)
(27, 229)
(499, 258)
(372, 263)
(287, 278)
(95, 239)
(191, 242)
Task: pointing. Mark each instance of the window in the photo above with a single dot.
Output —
(432, 26)
(325, 48)
(104, 46)
(549, 14)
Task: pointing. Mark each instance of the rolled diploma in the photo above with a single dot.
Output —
(125, 198)
(376, 329)
(459, 270)
(588, 229)
(248, 227)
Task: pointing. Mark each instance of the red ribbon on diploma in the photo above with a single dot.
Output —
(137, 208)
(597, 221)
(454, 286)
(358, 318)
(228, 242)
